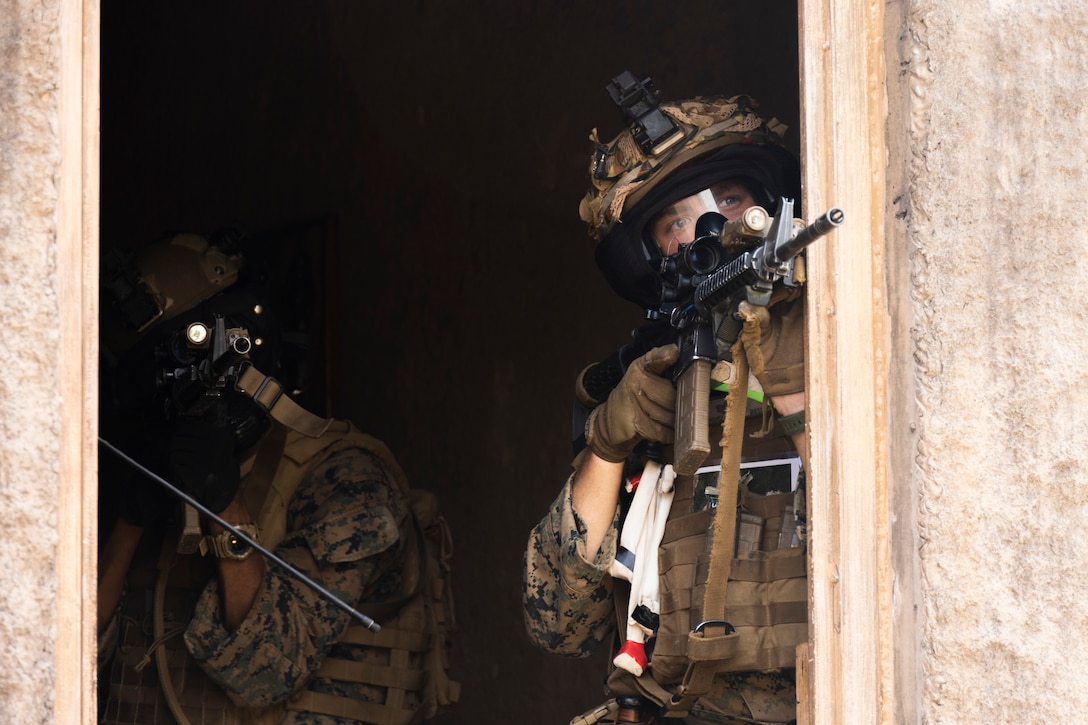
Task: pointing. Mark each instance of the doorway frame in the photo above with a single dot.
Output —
(74, 699)
(856, 670)
(853, 674)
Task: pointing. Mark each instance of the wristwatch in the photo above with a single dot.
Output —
(793, 423)
(227, 545)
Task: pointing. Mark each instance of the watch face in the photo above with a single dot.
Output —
(236, 546)
(229, 545)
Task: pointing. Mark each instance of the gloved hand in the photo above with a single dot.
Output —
(781, 369)
(642, 407)
(199, 459)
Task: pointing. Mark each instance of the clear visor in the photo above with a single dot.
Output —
(675, 224)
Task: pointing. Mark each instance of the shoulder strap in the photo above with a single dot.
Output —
(268, 394)
(714, 639)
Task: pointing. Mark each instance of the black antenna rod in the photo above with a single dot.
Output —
(357, 615)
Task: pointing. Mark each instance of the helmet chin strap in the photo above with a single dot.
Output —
(268, 394)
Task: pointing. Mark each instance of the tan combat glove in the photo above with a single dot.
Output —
(642, 407)
(778, 360)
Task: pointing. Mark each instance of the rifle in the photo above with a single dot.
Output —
(704, 284)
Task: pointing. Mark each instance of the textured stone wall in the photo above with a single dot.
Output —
(997, 242)
(29, 405)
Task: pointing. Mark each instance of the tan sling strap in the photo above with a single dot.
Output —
(714, 639)
(268, 394)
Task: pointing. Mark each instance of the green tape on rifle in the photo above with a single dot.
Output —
(756, 395)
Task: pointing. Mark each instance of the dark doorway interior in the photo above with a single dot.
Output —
(446, 145)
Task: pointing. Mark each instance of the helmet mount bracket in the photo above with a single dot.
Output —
(637, 99)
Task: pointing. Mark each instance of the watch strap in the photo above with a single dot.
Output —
(793, 423)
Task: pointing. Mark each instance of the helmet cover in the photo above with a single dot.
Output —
(723, 138)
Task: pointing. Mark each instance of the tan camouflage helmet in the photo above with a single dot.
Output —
(184, 271)
(621, 173)
(162, 281)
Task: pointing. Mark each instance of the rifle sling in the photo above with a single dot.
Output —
(268, 394)
(715, 639)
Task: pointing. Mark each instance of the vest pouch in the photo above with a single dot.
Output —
(766, 602)
(682, 562)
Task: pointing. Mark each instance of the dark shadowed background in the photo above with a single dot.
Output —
(435, 154)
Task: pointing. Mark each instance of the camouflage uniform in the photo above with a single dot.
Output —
(570, 611)
(573, 619)
(346, 529)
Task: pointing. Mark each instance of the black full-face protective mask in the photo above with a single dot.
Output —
(629, 258)
(141, 398)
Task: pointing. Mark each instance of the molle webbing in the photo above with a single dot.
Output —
(137, 693)
(413, 629)
(415, 678)
(705, 626)
(711, 640)
(401, 677)
(413, 671)
(766, 603)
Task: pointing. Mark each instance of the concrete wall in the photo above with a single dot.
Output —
(992, 209)
(29, 339)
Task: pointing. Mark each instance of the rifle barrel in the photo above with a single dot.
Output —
(818, 228)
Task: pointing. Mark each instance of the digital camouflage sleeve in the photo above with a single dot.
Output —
(569, 611)
(342, 528)
(567, 598)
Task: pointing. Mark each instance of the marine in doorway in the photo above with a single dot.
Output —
(325, 597)
(690, 193)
